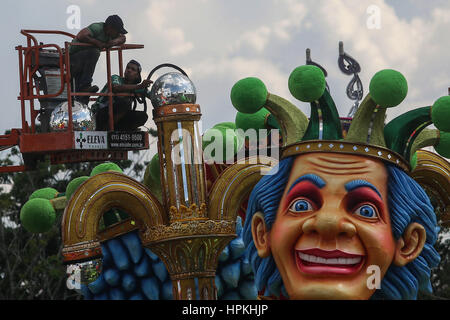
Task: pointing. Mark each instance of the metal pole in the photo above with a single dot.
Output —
(69, 89)
(119, 52)
(110, 98)
(22, 101)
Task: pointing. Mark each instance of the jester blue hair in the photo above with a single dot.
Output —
(408, 203)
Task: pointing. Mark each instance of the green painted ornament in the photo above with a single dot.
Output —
(73, 185)
(388, 88)
(248, 95)
(152, 177)
(256, 121)
(307, 83)
(440, 113)
(107, 166)
(229, 125)
(413, 161)
(37, 215)
(220, 151)
(443, 147)
(44, 193)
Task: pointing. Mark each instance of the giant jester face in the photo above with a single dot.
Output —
(332, 228)
(332, 224)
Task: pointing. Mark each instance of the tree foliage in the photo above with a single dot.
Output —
(31, 264)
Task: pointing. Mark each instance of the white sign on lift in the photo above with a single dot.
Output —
(85, 140)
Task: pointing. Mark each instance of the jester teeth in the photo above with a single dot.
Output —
(342, 261)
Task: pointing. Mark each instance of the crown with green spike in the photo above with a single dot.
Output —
(395, 142)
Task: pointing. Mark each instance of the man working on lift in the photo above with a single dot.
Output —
(124, 118)
(83, 59)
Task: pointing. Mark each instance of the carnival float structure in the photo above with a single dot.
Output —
(303, 217)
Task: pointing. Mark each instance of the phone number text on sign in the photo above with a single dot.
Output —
(126, 140)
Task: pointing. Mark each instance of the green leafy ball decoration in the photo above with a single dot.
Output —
(37, 215)
(74, 184)
(231, 143)
(154, 168)
(107, 166)
(388, 88)
(248, 95)
(255, 120)
(443, 147)
(307, 83)
(229, 125)
(239, 142)
(44, 193)
(440, 113)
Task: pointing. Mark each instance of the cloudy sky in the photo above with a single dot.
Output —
(219, 42)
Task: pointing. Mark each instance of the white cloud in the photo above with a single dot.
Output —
(238, 67)
(414, 47)
(292, 15)
(180, 45)
(255, 39)
(160, 17)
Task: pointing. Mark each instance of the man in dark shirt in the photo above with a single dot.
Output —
(83, 59)
(124, 118)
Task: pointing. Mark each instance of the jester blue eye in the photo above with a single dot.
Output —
(367, 211)
(301, 205)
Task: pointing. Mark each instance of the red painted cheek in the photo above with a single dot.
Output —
(285, 232)
(380, 244)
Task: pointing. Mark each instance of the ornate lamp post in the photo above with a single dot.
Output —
(192, 241)
(190, 228)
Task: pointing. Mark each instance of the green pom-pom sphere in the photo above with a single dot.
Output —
(107, 166)
(231, 143)
(44, 193)
(37, 215)
(307, 83)
(255, 120)
(388, 88)
(443, 147)
(154, 168)
(73, 185)
(248, 95)
(440, 113)
(229, 125)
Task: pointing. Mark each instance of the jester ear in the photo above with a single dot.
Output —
(410, 244)
(260, 235)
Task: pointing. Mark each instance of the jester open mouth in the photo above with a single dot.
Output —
(318, 261)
